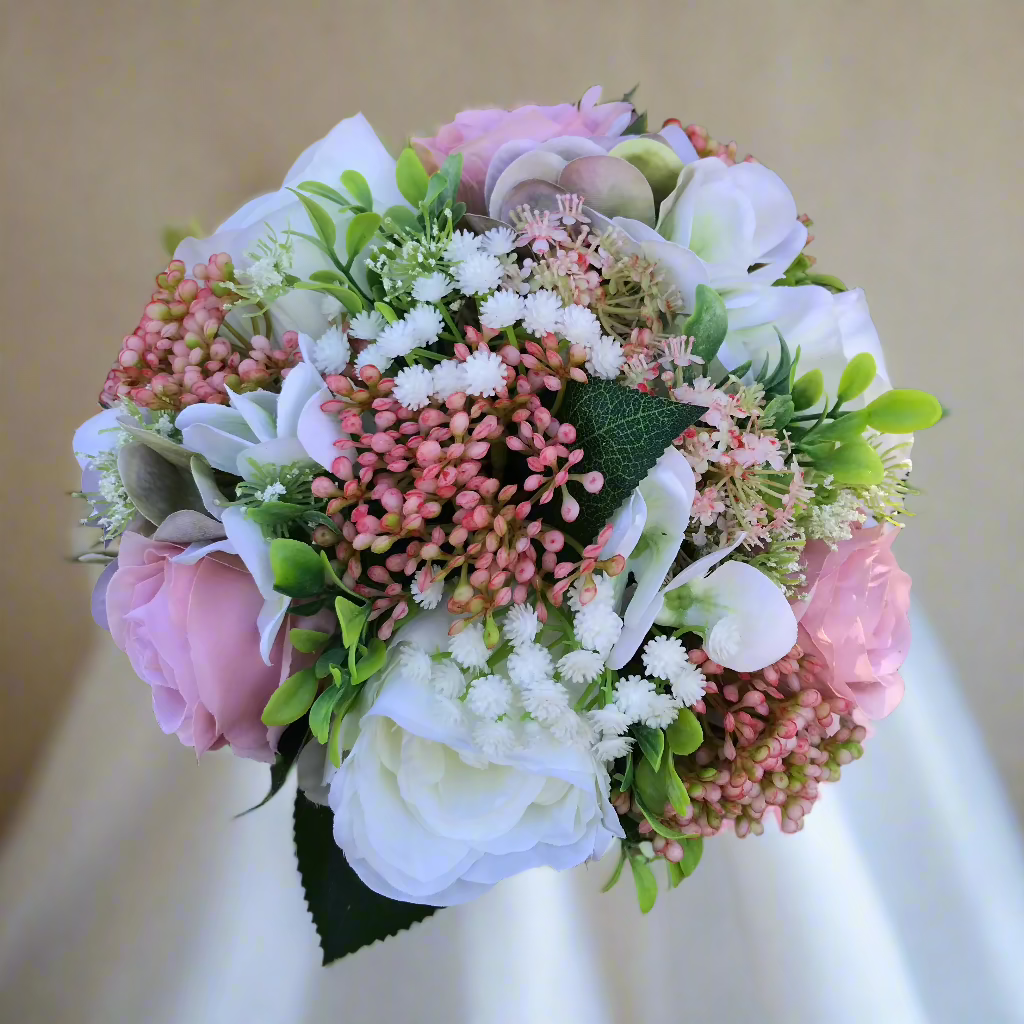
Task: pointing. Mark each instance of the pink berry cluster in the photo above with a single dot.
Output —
(770, 739)
(425, 496)
(707, 146)
(183, 351)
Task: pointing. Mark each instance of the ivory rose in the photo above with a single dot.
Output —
(856, 617)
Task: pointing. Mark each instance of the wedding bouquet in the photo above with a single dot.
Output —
(525, 493)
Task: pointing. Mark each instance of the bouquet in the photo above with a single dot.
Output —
(526, 493)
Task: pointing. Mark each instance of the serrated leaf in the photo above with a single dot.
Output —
(346, 914)
(292, 699)
(651, 742)
(411, 177)
(318, 188)
(707, 324)
(358, 188)
(623, 433)
(307, 641)
(321, 219)
(685, 734)
(298, 571)
(289, 746)
(361, 230)
(645, 882)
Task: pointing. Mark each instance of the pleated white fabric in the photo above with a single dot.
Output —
(130, 894)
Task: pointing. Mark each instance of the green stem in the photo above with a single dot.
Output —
(448, 320)
(512, 339)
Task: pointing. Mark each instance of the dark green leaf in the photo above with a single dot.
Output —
(649, 784)
(638, 126)
(627, 776)
(623, 434)
(358, 188)
(685, 734)
(411, 177)
(307, 641)
(707, 324)
(318, 188)
(645, 882)
(298, 571)
(777, 382)
(347, 915)
(292, 699)
(288, 748)
(778, 412)
(361, 230)
(332, 656)
(322, 222)
(651, 742)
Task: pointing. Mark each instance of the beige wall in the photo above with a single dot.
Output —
(896, 124)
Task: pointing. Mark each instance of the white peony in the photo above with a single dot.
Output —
(350, 145)
(424, 816)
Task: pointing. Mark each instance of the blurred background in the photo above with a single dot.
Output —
(898, 128)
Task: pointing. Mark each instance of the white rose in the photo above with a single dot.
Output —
(351, 145)
(828, 329)
(423, 817)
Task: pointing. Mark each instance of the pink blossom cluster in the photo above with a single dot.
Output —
(183, 351)
(436, 480)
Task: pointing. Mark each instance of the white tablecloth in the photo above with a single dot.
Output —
(130, 894)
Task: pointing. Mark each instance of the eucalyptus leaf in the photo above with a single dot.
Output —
(623, 433)
(292, 699)
(163, 446)
(189, 527)
(156, 487)
(347, 915)
(358, 188)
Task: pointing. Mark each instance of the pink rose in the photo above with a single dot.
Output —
(478, 134)
(856, 618)
(190, 632)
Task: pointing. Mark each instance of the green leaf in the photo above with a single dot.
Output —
(645, 882)
(617, 873)
(323, 224)
(403, 218)
(334, 744)
(903, 411)
(674, 788)
(854, 462)
(845, 427)
(452, 171)
(693, 850)
(361, 230)
(372, 662)
(437, 185)
(777, 381)
(312, 239)
(318, 188)
(274, 513)
(623, 434)
(857, 377)
(386, 311)
(685, 734)
(659, 826)
(321, 711)
(651, 742)
(808, 390)
(298, 571)
(657, 162)
(327, 277)
(707, 324)
(348, 298)
(627, 775)
(357, 188)
(778, 412)
(307, 641)
(649, 784)
(638, 126)
(332, 656)
(351, 617)
(411, 177)
(332, 576)
(347, 915)
(292, 699)
(289, 746)
(675, 874)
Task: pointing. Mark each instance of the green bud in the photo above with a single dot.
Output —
(808, 390)
(684, 735)
(298, 571)
(903, 411)
(492, 634)
(854, 462)
(857, 377)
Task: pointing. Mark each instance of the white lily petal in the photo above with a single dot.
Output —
(683, 268)
(95, 436)
(268, 622)
(299, 386)
(258, 409)
(201, 549)
(281, 451)
(319, 431)
(680, 142)
(249, 543)
(222, 417)
(772, 203)
(220, 449)
(213, 498)
(627, 526)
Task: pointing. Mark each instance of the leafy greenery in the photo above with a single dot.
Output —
(292, 699)
(645, 882)
(708, 324)
(347, 915)
(297, 567)
(289, 746)
(623, 433)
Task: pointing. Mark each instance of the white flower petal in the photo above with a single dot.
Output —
(96, 436)
(319, 431)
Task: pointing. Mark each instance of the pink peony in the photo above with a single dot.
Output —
(190, 632)
(477, 134)
(856, 618)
